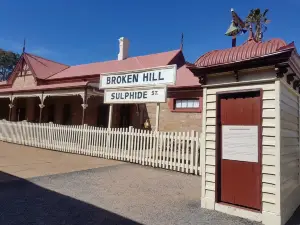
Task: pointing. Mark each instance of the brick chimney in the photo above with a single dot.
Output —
(123, 45)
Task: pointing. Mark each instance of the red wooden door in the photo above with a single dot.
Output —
(240, 181)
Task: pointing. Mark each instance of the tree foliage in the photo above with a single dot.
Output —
(258, 22)
(8, 61)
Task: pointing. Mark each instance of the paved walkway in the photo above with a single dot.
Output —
(26, 162)
(68, 189)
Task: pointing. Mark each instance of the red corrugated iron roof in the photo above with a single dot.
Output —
(132, 63)
(249, 50)
(44, 68)
(184, 76)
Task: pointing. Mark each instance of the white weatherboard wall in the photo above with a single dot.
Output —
(289, 152)
(270, 149)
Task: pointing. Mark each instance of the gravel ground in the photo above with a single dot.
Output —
(122, 194)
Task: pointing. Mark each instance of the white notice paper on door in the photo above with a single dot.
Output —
(240, 143)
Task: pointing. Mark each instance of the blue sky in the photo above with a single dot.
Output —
(77, 31)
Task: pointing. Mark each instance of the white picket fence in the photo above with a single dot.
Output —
(179, 151)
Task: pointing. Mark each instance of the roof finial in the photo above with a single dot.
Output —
(181, 43)
(24, 45)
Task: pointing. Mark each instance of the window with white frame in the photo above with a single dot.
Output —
(187, 103)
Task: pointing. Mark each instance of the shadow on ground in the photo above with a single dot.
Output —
(23, 202)
(295, 219)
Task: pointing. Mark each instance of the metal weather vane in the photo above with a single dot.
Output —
(255, 19)
(237, 26)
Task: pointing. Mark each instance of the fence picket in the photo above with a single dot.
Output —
(160, 148)
(144, 133)
(30, 134)
(57, 141)
(187, 152)
(179, 152)
(47, 135)
(113, 140)
(138, 146)
(122, 143)
(37, 136)
(88, 141)
(97, 142)
(130, 146)
(164, 149)
(63, 138)
(32, 130)
(19, 137)
(146, 149)
(172, 158)
(183, 151)
(36, 130)
(115, 144)
(134, 144)
(197, 153)
(168, 151)
(119, 147)
(192, 151)
(92, 141)
(103, 143)
(74, 144)
(138, 141)
(126, 152)
(16, 133)
(69, 139)
(42, 136)
(176, 166)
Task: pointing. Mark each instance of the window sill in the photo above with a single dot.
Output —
(187, 110)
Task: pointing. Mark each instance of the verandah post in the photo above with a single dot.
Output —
(41, 107)
(157, 117)
(11, 105)
(110, 116)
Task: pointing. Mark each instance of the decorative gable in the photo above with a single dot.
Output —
(23, 77)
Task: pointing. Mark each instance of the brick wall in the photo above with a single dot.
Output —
(170, 119)
(174, 121)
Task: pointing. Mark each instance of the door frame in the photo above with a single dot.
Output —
(219, 95)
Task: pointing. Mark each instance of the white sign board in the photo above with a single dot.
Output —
(240, 143)
(146, 77)
(137, 95)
